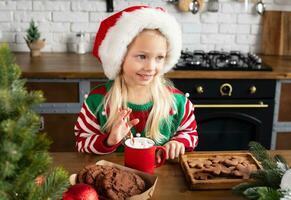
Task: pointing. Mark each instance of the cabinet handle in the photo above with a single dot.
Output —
(41, 127)
(199, 89)
(253, 89)
(225, 89)
(259, 105)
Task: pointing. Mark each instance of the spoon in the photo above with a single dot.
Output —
(131, 137)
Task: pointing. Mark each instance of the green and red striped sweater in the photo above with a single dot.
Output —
(91, 139)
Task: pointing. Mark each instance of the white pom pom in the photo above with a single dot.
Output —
(85, 96)
(286, 180)
(138, 134)
(103, 113)
(73, 179)
(187, 95)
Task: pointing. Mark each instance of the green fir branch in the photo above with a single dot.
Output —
(281, 163)
(261, 154)
(32, 33)
(8, 70)
(23, 149)
(239, 189)
(269, 178)
(58, 178)
(266, 181)
(263, 193)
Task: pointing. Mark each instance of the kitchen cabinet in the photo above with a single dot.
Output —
(283, 140)
(285, 103)
(56, 92)
(56, 119)
(282, 128)
(60, 129)
(59, 112)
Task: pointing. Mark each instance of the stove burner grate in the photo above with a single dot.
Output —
(220, 60)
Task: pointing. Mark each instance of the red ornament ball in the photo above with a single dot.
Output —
(81, 191)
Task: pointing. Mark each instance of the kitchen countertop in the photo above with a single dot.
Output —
(171, 181)
(71, 65)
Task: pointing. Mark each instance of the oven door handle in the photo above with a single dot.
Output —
(259, 105)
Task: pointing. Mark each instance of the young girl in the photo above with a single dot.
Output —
(136, 47)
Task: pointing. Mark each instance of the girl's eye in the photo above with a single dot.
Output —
(141, 56)
(160, 57)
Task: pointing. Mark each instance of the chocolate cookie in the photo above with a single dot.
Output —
(92, 174)
(119, 184)
(81, 177)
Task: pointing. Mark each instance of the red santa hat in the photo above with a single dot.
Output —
(118, 31)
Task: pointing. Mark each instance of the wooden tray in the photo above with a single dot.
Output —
(217, 182)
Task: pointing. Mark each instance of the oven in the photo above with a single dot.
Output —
(229, 113)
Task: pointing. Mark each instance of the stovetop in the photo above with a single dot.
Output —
(220, 60)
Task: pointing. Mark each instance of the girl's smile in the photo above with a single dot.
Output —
(145, 77)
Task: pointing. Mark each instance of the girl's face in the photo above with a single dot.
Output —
(145, 58)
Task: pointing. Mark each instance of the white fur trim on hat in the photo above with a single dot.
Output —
(128, 26)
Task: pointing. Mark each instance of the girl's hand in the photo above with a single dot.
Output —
(122, 127)
(173, 149)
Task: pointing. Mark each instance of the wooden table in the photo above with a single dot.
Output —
(171, 182)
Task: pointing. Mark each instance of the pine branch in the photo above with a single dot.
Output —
(282, 164)
(56, 183)
(269, 178)
(251, 193)
(4, 186)
(266, 181)
(23, 150)
(262, 193)
(32, 33)
(239, 189)
(267, 193)
(261, 154)
(8, 71)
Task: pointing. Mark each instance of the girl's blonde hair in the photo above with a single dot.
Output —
(162, 98)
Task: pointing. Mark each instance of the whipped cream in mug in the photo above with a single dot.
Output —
(140, 143)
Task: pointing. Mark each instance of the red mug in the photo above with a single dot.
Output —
(143, 158)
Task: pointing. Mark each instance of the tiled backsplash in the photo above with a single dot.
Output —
(231, 28)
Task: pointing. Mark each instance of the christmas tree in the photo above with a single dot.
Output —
(25, 168)
(32, 33)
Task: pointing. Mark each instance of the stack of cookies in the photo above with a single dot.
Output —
(221, 167)
(111, 182)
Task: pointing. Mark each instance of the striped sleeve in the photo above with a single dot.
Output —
(187, 133)
(89, 138)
